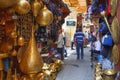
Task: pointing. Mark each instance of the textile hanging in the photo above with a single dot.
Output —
(65, 10)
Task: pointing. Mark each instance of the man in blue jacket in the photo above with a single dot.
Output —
(79, 41)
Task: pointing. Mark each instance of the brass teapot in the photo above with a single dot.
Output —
(45, 66)
(53, 67)
(58, 61)
(99, 65)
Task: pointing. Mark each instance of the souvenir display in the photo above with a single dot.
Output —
(98, 71)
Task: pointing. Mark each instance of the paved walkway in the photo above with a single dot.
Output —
(76, 69)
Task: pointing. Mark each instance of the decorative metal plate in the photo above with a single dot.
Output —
(113, 7)
(115, 54)
(115, 30)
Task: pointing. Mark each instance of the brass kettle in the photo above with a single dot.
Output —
(45, 66)
(36, 6)
(7, 3)
(45, 17)
(22, 7)
(53, 67)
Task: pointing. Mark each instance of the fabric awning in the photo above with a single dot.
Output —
(79, 5)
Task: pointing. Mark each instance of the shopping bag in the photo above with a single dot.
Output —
(107, 40)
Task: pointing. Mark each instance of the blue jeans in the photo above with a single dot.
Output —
(72, 43)
(79, 50)
(60, 51)
(6, 64)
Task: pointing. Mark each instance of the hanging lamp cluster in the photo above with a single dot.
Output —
(42, 14)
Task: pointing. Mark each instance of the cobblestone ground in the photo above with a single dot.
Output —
(74, 69)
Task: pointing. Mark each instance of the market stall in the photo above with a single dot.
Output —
(108, 26)
(25, 28)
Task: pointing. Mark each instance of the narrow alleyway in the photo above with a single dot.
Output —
(74, 69)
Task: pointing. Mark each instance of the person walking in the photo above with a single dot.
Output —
(72, 43)
(79, 41)
(64, 38)
(60, 44)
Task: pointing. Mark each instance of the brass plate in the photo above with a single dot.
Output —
(115, 30)
(113, 7)
(115, 54)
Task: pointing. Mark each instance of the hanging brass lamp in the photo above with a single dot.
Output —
(31, 63)
(45, 17)
(36, 6)
(22, 7)
(21, 39)
(7, 3)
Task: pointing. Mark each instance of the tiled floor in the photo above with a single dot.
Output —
(76, 69)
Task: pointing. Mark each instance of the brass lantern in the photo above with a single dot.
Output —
(36, 6)
(22, 7)
(45, 17)
(31, 63)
